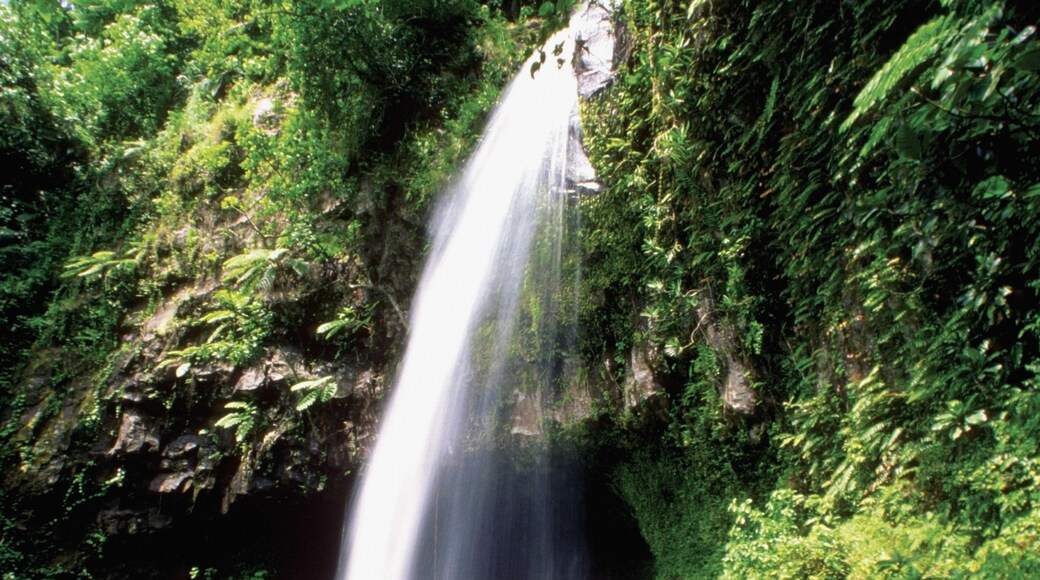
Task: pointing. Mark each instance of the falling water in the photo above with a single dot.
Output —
(444, 495)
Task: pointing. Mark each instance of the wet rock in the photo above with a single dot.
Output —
(640, 385)
(134, 395)
(211, 371)
(369, 383)
(180, 237)
(283, 363)
(594, 51)
(296, 471)
(526, 419)
(187, 463)
(574, 403)
(737, 395)
(265, 116)
(117, 519)
(579, 168)
(246, 479)
(138, 433)
(179, 481)
(160, 322)
(45, 428)
(594, 70)
(252, 379)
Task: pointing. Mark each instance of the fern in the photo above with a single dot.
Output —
(922, 46)
(319, 390)
(242, 324)
(97, 263)
(181, 358)
(258, 269)
(242, 418)
(770, 108)
(349, 320)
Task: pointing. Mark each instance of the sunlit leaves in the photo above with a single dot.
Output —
(348, 320)
(318, 390)
(242, 418)
(959, 419)
(120, 83)
(921, 46)
(96, 264)
(238, 325)
(865, 220)
(258, 269)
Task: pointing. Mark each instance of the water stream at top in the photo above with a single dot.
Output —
(440, 496)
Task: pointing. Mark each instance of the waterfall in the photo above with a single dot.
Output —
(444, 494)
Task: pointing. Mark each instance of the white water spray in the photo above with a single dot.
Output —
(510, 197)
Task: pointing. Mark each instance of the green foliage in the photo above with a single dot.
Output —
(391, 56)
(258, 269)
(918, 49)
(121, 79)
(349, 320)
(99, 263)
(243, 417)
(242, 324)
(774, 542)
(320, 390)
(679, 495)
(245, 572)
(222, 178)
(853, 193)
(681, 510)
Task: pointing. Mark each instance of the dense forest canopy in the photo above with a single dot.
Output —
(817, 236)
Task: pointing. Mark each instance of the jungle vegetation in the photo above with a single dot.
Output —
(850, 190)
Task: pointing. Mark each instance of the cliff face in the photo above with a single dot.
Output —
(212, 248)
(818, 220)
(214, 389)
(807, 311)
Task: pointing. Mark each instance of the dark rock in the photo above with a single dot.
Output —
(117, 519)
(134, 396)
(208, 371)
(46, 426)
(187, 462)
(175, 482)
(138, 433)
(283, 363)
(252, 379)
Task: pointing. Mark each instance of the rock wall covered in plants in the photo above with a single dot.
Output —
(211, 229)
(823, 217)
